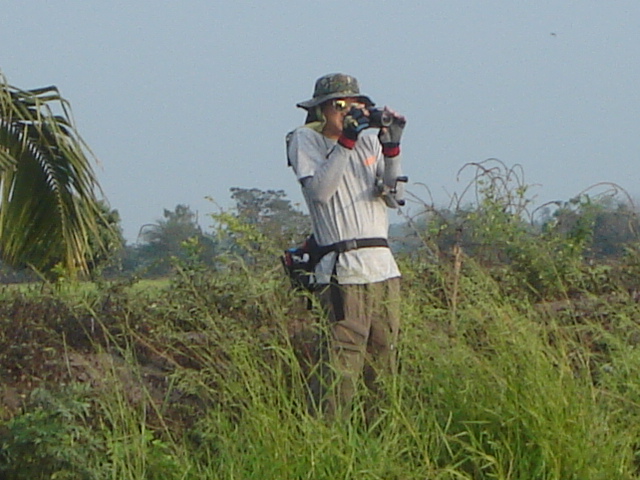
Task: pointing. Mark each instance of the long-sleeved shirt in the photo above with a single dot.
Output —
(339, 186)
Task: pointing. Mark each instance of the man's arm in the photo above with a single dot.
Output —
(319, 172)
(324, 182)
(393, 189)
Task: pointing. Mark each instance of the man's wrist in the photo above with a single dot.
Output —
(347, 142)
(391, 149)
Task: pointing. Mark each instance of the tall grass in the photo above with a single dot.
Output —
(508, 394)
(204, 380)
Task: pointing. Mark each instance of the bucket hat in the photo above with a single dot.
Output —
(335, 85)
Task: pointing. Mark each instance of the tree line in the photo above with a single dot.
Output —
(55, 222)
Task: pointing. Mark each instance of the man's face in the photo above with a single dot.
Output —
(335, 110)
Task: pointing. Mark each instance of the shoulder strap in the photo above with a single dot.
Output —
(287, 140)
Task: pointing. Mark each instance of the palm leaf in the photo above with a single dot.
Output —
(49, 210)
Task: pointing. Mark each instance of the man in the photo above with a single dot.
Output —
(349, 179)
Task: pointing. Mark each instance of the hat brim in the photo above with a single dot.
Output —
(319, 100)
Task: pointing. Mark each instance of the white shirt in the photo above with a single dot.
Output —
(347, 205)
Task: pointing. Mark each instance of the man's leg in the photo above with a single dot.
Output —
(348, 333)
(384, 305)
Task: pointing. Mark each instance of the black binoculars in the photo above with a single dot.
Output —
(379, 118)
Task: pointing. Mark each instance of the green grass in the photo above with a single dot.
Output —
(201, 381)
(81, 288)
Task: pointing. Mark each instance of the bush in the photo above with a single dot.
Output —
(518, 359)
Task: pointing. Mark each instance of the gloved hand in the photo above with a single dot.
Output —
(354, 123)
(390, 136)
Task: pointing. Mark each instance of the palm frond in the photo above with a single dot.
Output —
(49, 209)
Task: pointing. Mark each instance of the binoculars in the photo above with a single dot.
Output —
(379, 118)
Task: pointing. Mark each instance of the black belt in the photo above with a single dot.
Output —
(347, 245)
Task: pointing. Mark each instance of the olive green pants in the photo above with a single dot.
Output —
(359, 341)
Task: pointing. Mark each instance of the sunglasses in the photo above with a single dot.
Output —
(341, 105)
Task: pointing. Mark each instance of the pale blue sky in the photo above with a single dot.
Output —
(183, 100)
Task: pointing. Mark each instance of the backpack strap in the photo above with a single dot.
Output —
(287, 141)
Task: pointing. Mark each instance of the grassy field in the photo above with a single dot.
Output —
(202, 376)
(519, 359)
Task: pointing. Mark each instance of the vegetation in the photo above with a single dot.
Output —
(162, 241)
(518, 355)
(518, 359)
(51, 219)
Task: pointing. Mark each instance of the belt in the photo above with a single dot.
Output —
(347, 245)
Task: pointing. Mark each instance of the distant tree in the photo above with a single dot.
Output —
(165, 239)
(272, 213)
(605, 226)
(50, 215)
(169, 232)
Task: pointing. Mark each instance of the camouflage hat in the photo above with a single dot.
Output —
(335, 85)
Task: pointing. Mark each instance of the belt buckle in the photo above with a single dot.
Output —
(350, 244)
